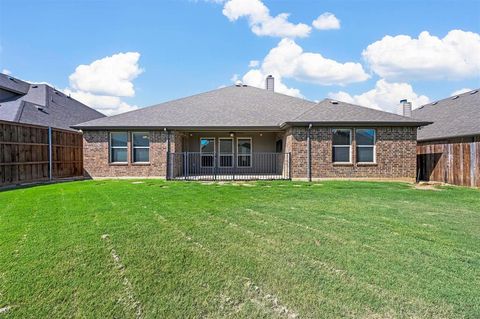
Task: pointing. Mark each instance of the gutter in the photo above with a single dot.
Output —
(354, 123)
(445, 138)
(188, 128)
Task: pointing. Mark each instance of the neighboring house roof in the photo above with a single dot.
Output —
(42, 105)
(456, 116)
(330, 111)
(242, 107)
(12, 84)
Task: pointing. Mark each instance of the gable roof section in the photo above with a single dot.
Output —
(244, 107)
(330, 111)
(455, 116)
(232, 106)
(43, 105)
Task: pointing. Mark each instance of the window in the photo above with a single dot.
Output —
(225, 145)
(118, 147)
(207, 151)
(365, 139)
(342, 145)
(140, 147)
(244, 150)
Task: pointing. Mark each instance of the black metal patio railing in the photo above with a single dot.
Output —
(228, 166)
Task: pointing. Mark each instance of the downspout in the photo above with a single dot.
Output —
(309, 153)
(168, 153)
(50, 154)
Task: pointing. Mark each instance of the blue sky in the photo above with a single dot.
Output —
(185, 47)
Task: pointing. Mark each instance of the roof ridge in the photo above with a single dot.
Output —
(306, 111)
(356, 106)
(19, 114)
(433, 103)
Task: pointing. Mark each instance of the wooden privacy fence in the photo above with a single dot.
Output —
(455, 162)
(30, 153)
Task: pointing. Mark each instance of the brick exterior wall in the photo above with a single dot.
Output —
(97, 160)
(395, 154)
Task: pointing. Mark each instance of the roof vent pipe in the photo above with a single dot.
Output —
(270, 83)
(405, 108)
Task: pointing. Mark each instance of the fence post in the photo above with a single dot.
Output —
(473, 161)
(50, 154)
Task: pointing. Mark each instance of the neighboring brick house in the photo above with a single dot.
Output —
(242, 132)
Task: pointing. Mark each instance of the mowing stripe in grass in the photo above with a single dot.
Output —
(269, 301)
(377, 250)
(312, 263)
(375, 288)
(309, 261)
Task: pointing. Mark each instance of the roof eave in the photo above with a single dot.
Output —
(437, 138)
(174, 127)
(354, 123)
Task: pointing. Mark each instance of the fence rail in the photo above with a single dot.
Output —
(454, 162)
(228, 166)
(30, 153)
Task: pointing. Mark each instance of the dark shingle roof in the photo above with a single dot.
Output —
(232, 106)
(12, 84)
(242, 106)
(331, 111)
(453, 117)
(43, 105)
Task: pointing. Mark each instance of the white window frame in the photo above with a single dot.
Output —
(374, 146)
(251, 152)
(111, 147)
(140, 147)
(209, 154)
(349, 146)
(220, 154)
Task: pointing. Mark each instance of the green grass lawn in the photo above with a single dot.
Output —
(156, 249)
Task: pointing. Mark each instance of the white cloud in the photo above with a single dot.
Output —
(108, 105)
(256, 77)
(234, 78)
(288, 60)
(457, 92)
(326, 21)
(260, 20)
(6, 71)
(111, 75)
(385, 96)
(253, 63)
(456, 56)
(102, 83)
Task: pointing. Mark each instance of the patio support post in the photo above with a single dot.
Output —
(185, 165)
(309, 153)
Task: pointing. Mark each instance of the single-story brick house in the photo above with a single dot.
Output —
(242, 132)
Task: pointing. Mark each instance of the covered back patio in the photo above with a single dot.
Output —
(229, 155)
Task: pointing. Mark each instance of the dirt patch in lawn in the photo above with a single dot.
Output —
(129, 298)
(428, 186)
